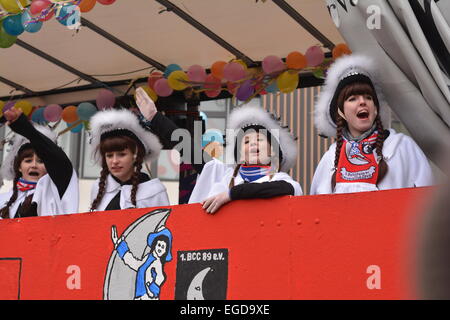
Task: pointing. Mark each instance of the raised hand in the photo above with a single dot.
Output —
(12, 115)
(145, 104)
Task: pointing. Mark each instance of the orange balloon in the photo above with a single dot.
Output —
(296, 60)
(87, 5)
(340, 50)
(217, 69)
(69, 114)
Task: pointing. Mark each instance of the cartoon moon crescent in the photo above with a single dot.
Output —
(120, 280)
(195, 289)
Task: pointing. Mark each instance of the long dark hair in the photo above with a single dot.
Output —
(119, 143)
(26, 152)
(357, 89)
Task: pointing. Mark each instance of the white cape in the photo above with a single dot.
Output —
(151, 193)
(46, 196)
(216, 176)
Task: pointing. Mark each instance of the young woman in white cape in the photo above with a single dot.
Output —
(260, 153)
(365, 156)
(44, 181)
(121, 146)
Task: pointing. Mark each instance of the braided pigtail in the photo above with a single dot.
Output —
(236, 170)
(382, 165)
(4, 212)
(101, 186)
(135, 180)
(341, 124)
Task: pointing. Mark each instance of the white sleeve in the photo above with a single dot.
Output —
(212, 173)
(422, 173)
(321, 183)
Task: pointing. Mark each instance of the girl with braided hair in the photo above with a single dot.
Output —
(44, 181)
(121, 145)
(365, 156)
(259, 154)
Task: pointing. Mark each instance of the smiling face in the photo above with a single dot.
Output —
(359, 106)
(31, 167)
(120, 164)
(160, 248)
(121, 154)
(255, 149)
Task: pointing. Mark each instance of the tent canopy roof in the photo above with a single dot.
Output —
(127, 39)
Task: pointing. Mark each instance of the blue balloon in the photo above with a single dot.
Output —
(272, 87)
(86, 110)
(38, 116)
(171, 68)
(69, 15)
(210, 136)
(77, 128)
(13, 25)
(29, 24)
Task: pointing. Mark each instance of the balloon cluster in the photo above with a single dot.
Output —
(21, 16)
(75, 116)
(242, 82)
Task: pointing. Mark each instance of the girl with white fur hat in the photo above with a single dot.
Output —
(121, 145)
(44, 181)
(365, 157)
(259, 153)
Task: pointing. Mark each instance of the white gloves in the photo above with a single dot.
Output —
(145, 104)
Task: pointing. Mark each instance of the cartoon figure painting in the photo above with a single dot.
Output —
(136, 267)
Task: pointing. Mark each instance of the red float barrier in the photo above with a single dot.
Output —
(351, 246)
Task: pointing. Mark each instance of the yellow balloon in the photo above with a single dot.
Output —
(11, 5)
(151, 93)
(25, 106)
(287, 81)
(174, 80)
(2, 104)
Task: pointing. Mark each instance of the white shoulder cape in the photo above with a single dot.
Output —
(151, 193)
(407, 167)
(216, 176)
(47, 198)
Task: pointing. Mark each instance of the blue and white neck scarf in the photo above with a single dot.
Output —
(253, 173)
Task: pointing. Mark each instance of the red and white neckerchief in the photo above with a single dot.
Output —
(358, 161)
(24, 185)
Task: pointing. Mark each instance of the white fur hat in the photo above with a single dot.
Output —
(15, 143)
(246, 116)
(126, 122)
(345, 70)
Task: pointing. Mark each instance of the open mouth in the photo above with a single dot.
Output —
(363, 115)
(33, 174)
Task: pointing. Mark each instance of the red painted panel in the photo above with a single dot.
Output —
(309, 247)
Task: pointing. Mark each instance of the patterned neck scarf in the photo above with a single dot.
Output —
(24, 185)
(253, 173)
(358, 161)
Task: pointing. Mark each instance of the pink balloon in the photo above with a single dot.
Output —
(106, 2)
(52, 112)
(105, 99)
(233, 71)
(162, 88)
(314, 56)
(272, 64)
(214, 85)
(196, 73)
(37, 6)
